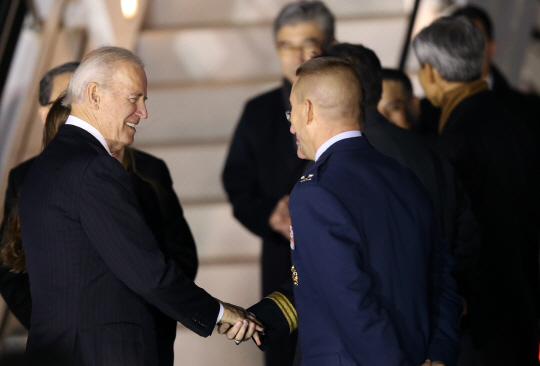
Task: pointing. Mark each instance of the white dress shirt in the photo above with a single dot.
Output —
(75, 121)
(333, 140)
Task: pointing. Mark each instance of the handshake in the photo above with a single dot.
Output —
(238, 324)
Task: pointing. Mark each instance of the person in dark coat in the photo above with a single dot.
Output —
(491, 156)
(160, 206)
(96, 270)
(262, 167)
(525, 106)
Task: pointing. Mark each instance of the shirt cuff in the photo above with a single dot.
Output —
(221, 311)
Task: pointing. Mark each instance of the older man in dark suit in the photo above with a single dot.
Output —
(488, 149)
(94, 266)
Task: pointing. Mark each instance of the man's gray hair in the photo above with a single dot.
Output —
(307, 11)
(453, 46)
(97, 67)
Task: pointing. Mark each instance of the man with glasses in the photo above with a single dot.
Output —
(262, 166)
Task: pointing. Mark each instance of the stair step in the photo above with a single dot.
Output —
(186, 13)
(220, 238)
(195, 113)
(195, 170)
(248, 52)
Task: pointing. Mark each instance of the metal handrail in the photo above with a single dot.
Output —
(407, 44)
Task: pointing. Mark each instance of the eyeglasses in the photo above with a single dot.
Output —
(288, 115)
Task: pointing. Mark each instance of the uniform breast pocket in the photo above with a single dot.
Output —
(323, 359)
(123, 344)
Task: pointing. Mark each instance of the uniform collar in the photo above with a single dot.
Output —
(333, 140)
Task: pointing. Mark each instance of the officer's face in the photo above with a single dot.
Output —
(297, 128)
(296, 44)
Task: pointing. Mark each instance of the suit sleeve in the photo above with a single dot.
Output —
(178, 238)
(333, 262)
(278, 314)
(114, 224)
(14, 287)
(240, 179)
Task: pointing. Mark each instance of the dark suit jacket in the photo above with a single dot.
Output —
(162, 213)
(452, 206)
(14, 287)
(374, 284)
(95, 268)
(488, 152)
(261, 168)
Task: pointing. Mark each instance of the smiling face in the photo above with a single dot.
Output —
(122, 106)
(296, 44)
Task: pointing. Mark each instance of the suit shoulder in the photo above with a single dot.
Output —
(266, 101)
(20, 171)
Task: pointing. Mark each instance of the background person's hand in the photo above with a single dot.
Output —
(280, 219)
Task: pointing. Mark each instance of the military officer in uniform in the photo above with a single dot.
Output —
(371, 276)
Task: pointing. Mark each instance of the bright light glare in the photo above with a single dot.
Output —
(129, 8)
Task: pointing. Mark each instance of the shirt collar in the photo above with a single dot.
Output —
(333, 140)
(75, 121)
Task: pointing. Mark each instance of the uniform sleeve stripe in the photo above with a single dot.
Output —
(286, 308)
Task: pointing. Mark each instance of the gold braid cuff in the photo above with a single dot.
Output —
(286, 308)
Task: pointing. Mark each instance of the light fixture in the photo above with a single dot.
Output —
(129, 8)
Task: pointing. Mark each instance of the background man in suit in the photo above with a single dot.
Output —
(398, 104)
(488, 151)
(14, 287)
(94, 266)
(372, 280)
(262, 167)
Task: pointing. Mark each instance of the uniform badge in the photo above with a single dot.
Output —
(306, 178)
(294, 275)
(292, 239)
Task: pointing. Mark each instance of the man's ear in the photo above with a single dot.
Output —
(308, 110)
(93, 95)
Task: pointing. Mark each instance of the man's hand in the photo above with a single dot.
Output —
(240, 332)
(244, 325)
(280, 219)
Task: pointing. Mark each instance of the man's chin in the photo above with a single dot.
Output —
(301, 155)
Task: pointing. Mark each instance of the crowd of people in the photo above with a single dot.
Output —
(410, 227)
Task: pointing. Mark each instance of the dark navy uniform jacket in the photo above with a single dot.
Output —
(373, 274)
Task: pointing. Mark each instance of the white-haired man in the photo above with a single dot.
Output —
(488, 148)
(93, 263)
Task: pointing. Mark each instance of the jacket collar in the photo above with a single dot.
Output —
(74, 131)
(359, 142)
